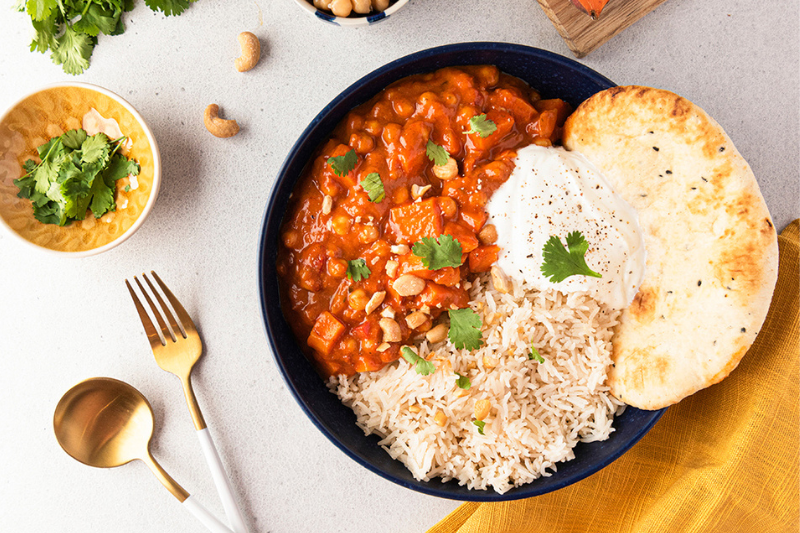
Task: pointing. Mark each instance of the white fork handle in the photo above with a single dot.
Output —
(222, 482)
(202, 514)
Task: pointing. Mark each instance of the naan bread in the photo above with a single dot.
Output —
(712, 250)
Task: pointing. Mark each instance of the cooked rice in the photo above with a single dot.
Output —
(539, 411)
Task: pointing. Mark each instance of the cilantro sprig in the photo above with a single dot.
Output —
(69, 28)
(373, 185)
(421, 366)
(357, 270)
(561, 263)
(465, 329)
(481, 125)
(436, 153)
(343, 164)
(534, 354)
(445, 251)
(77, 172)
(481, 424)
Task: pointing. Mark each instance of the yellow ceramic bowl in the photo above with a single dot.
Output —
(47, 113)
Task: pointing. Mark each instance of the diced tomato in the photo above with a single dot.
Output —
(436, 295)
(411, 222)
(463, 235)
(326, 332)
(545, 126)
(367, 330)
(481, 259)
(448, 276)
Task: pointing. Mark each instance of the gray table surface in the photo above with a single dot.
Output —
(64, 320)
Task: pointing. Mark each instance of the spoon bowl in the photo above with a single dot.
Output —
(104, 422)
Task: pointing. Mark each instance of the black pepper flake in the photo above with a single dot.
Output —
(669, 172)
(702, 178)
(650, 132)
(669, 292)
(721, 148)
(643, 195)
(744, 330)
(699, 282)
(694, 188)
(655, 148)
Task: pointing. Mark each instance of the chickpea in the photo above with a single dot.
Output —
(337, 268)
(341, 8)
(447, 171)
(373, 127)
(368, 234)
(291, 238)
(358, 299)
(391, 132)
(362, 143)
(448, 206)
(362, 6)
(354, 122)
(341, 224)
(401, 195)
(350, 345)
(488, 234)
(449, 98)
(381, 111)
(403, 108)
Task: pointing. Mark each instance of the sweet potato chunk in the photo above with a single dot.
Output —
(411, 222)
(463, 235)
(436, 295)
(326, 333)
(482, 258)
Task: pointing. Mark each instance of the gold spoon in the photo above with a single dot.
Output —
(104, 422)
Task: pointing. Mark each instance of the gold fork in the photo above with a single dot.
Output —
(176, 350)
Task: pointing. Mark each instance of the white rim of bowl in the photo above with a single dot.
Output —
(309, 8)
(156, 171)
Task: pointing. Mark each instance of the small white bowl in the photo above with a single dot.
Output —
(148, 150)
(355, 20)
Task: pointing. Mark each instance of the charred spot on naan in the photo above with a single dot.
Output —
(643, 307)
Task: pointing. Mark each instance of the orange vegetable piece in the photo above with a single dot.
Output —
(591, 7)
(326, 333)
(482, 258)
(463, 235)
(411, 222)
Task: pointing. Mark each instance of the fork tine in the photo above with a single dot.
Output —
(176, 328)
(149, 328)
(164, 329)
(183, 316)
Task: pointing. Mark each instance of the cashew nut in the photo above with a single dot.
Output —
(219, 127)
(251, 52)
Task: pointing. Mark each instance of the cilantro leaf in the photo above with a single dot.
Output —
(95, 20)
(343, 164)
(436, 255)
(73, 139)
(559, 264)
(463, 382)
(95, 148)
(481, 424)
(465, 329)
(436, 153)
(481, 125)
(169, 7)
(73, 51)
(535, 355)
(44, 37)
(40, 9)
(357, 270)
(127, 188)
(374, 187)
(421, 366)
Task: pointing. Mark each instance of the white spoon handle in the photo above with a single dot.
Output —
(202, 514)
(222, 482)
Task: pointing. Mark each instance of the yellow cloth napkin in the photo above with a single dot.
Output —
(724, 459)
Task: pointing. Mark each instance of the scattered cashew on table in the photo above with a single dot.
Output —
(251, 53)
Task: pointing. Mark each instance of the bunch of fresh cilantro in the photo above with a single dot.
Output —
(69, 28)
(77, 172)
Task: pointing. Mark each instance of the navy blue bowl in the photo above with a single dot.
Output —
(553, 76)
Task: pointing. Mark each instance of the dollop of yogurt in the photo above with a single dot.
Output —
(553, 191)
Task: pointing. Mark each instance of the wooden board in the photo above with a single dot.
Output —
(583, 34)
